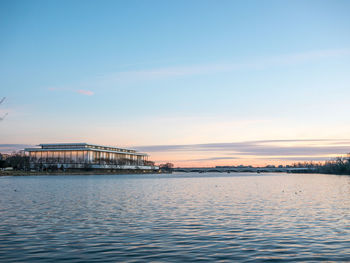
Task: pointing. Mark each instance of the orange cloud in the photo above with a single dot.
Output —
(85, 92)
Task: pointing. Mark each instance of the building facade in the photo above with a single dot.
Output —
(84, 155)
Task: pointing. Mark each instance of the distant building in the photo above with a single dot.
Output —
(84, 155)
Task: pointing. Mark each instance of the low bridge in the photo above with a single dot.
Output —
(243, 169)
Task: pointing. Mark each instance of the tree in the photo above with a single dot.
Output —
(3, 164)
(167, 167)
(148, 163)
(18, 161)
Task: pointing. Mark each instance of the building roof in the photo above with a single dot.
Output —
(82, 147)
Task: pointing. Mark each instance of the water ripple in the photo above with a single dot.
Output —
(175, 218)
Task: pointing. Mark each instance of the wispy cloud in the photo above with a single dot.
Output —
(263, 148)
(218, 158)
(302, 158)
(257, 64)
(52, 89)
(85, 92)
(66, 89)
(114, 79)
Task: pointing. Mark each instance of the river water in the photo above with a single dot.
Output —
(237, 217)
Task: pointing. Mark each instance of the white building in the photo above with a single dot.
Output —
(84, 155)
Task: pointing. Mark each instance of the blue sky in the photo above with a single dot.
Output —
(143, 73)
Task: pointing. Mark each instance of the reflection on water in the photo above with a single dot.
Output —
(179, 217)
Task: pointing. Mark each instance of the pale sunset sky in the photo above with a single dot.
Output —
(196, 83)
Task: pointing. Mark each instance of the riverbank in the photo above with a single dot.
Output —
(72, 172)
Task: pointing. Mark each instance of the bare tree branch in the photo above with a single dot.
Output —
(3, 117)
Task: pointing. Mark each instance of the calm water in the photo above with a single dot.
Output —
(175, 218)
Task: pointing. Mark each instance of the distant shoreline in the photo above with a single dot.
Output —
(59, 173)
(36, 173)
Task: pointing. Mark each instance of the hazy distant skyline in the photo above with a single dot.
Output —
(164, 73)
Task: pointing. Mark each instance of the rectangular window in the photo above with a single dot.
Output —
(74, 157)
(50, 157)
(80, 156)
(55, 156)
(69, 156)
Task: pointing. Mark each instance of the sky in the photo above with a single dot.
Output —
(196, 83)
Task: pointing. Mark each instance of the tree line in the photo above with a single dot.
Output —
(17, 161)
(338, 165)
